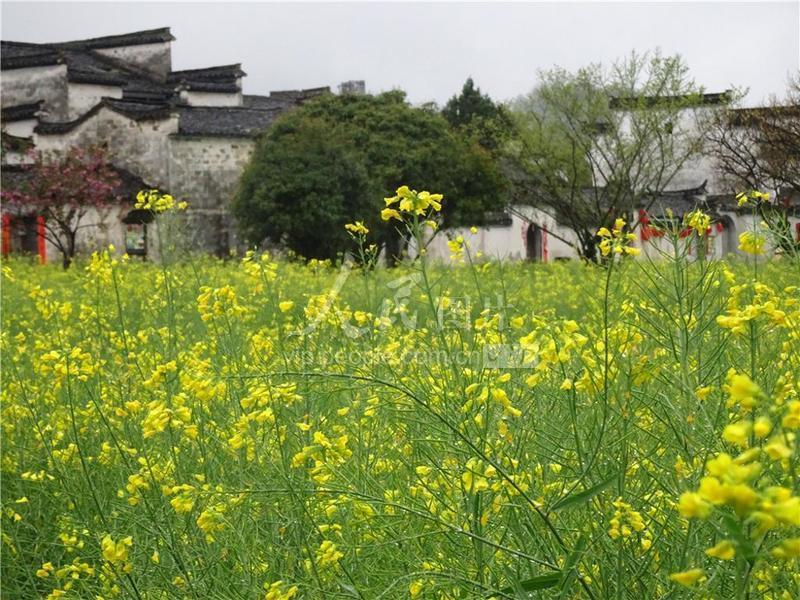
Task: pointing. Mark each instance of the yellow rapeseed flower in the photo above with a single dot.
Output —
(688, 578)
(725, 550)
(751, 242)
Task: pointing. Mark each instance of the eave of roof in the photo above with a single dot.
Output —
(136, 111)
(635, 102)
(213, 87)
(301, 94)
(23, 55)
(21, 112)
(94, 77)
(209, 73)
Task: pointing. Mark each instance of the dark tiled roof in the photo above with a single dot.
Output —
(138, 111)
(632, 102)
(136, 38)
(21, 112)
(87, 67)
(266, 102)
(219, 87)
(216, 121)
(83, 65)
(223, 79)
(147, 94)
(209, 73)
(20, 55)
(301, 94)
(146, 98)
(753, 116)
(282, 99)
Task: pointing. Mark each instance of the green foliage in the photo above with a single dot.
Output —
(479, 117)
(469, 105)
(330, 161)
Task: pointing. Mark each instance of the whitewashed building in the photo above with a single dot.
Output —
(187, 132)
(530, 233)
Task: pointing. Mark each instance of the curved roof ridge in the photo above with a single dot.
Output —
(134, 38)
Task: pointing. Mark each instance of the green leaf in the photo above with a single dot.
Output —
(583, 496)
(570, 572)
(540, 582)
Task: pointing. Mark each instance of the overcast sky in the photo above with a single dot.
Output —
(429, 49)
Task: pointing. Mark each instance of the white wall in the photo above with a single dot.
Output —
(211, 99)
(510, 242)
(686, 123)
(20, 128)
(84, 96)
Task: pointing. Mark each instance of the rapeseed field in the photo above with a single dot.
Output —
(275, 429)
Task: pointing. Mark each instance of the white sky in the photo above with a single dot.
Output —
(428, 49)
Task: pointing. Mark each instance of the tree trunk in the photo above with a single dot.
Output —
(69, 252)
(588, 247)
(393, 248)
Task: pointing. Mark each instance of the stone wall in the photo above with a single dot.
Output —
(24, 86)
(153, 58)
(204, 171)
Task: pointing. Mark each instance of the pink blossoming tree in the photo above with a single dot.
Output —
(64, 188)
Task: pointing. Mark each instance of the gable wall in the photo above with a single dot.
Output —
(84, 96)
(154, 58)
(139, 146)
(24, 86)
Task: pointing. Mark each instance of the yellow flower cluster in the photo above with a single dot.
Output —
(411, 202)
(697, 220)
(328, 555)
(627, 523)
(116, 553)
(278, 590)
(155, 201)
(752, 242)
(753, 197)
(759, 494)
(456, 246)
(751, 305)
(616, 241)
(357, 228)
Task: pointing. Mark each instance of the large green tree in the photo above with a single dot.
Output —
(476, 115)
(333, 160)
(594, 144)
